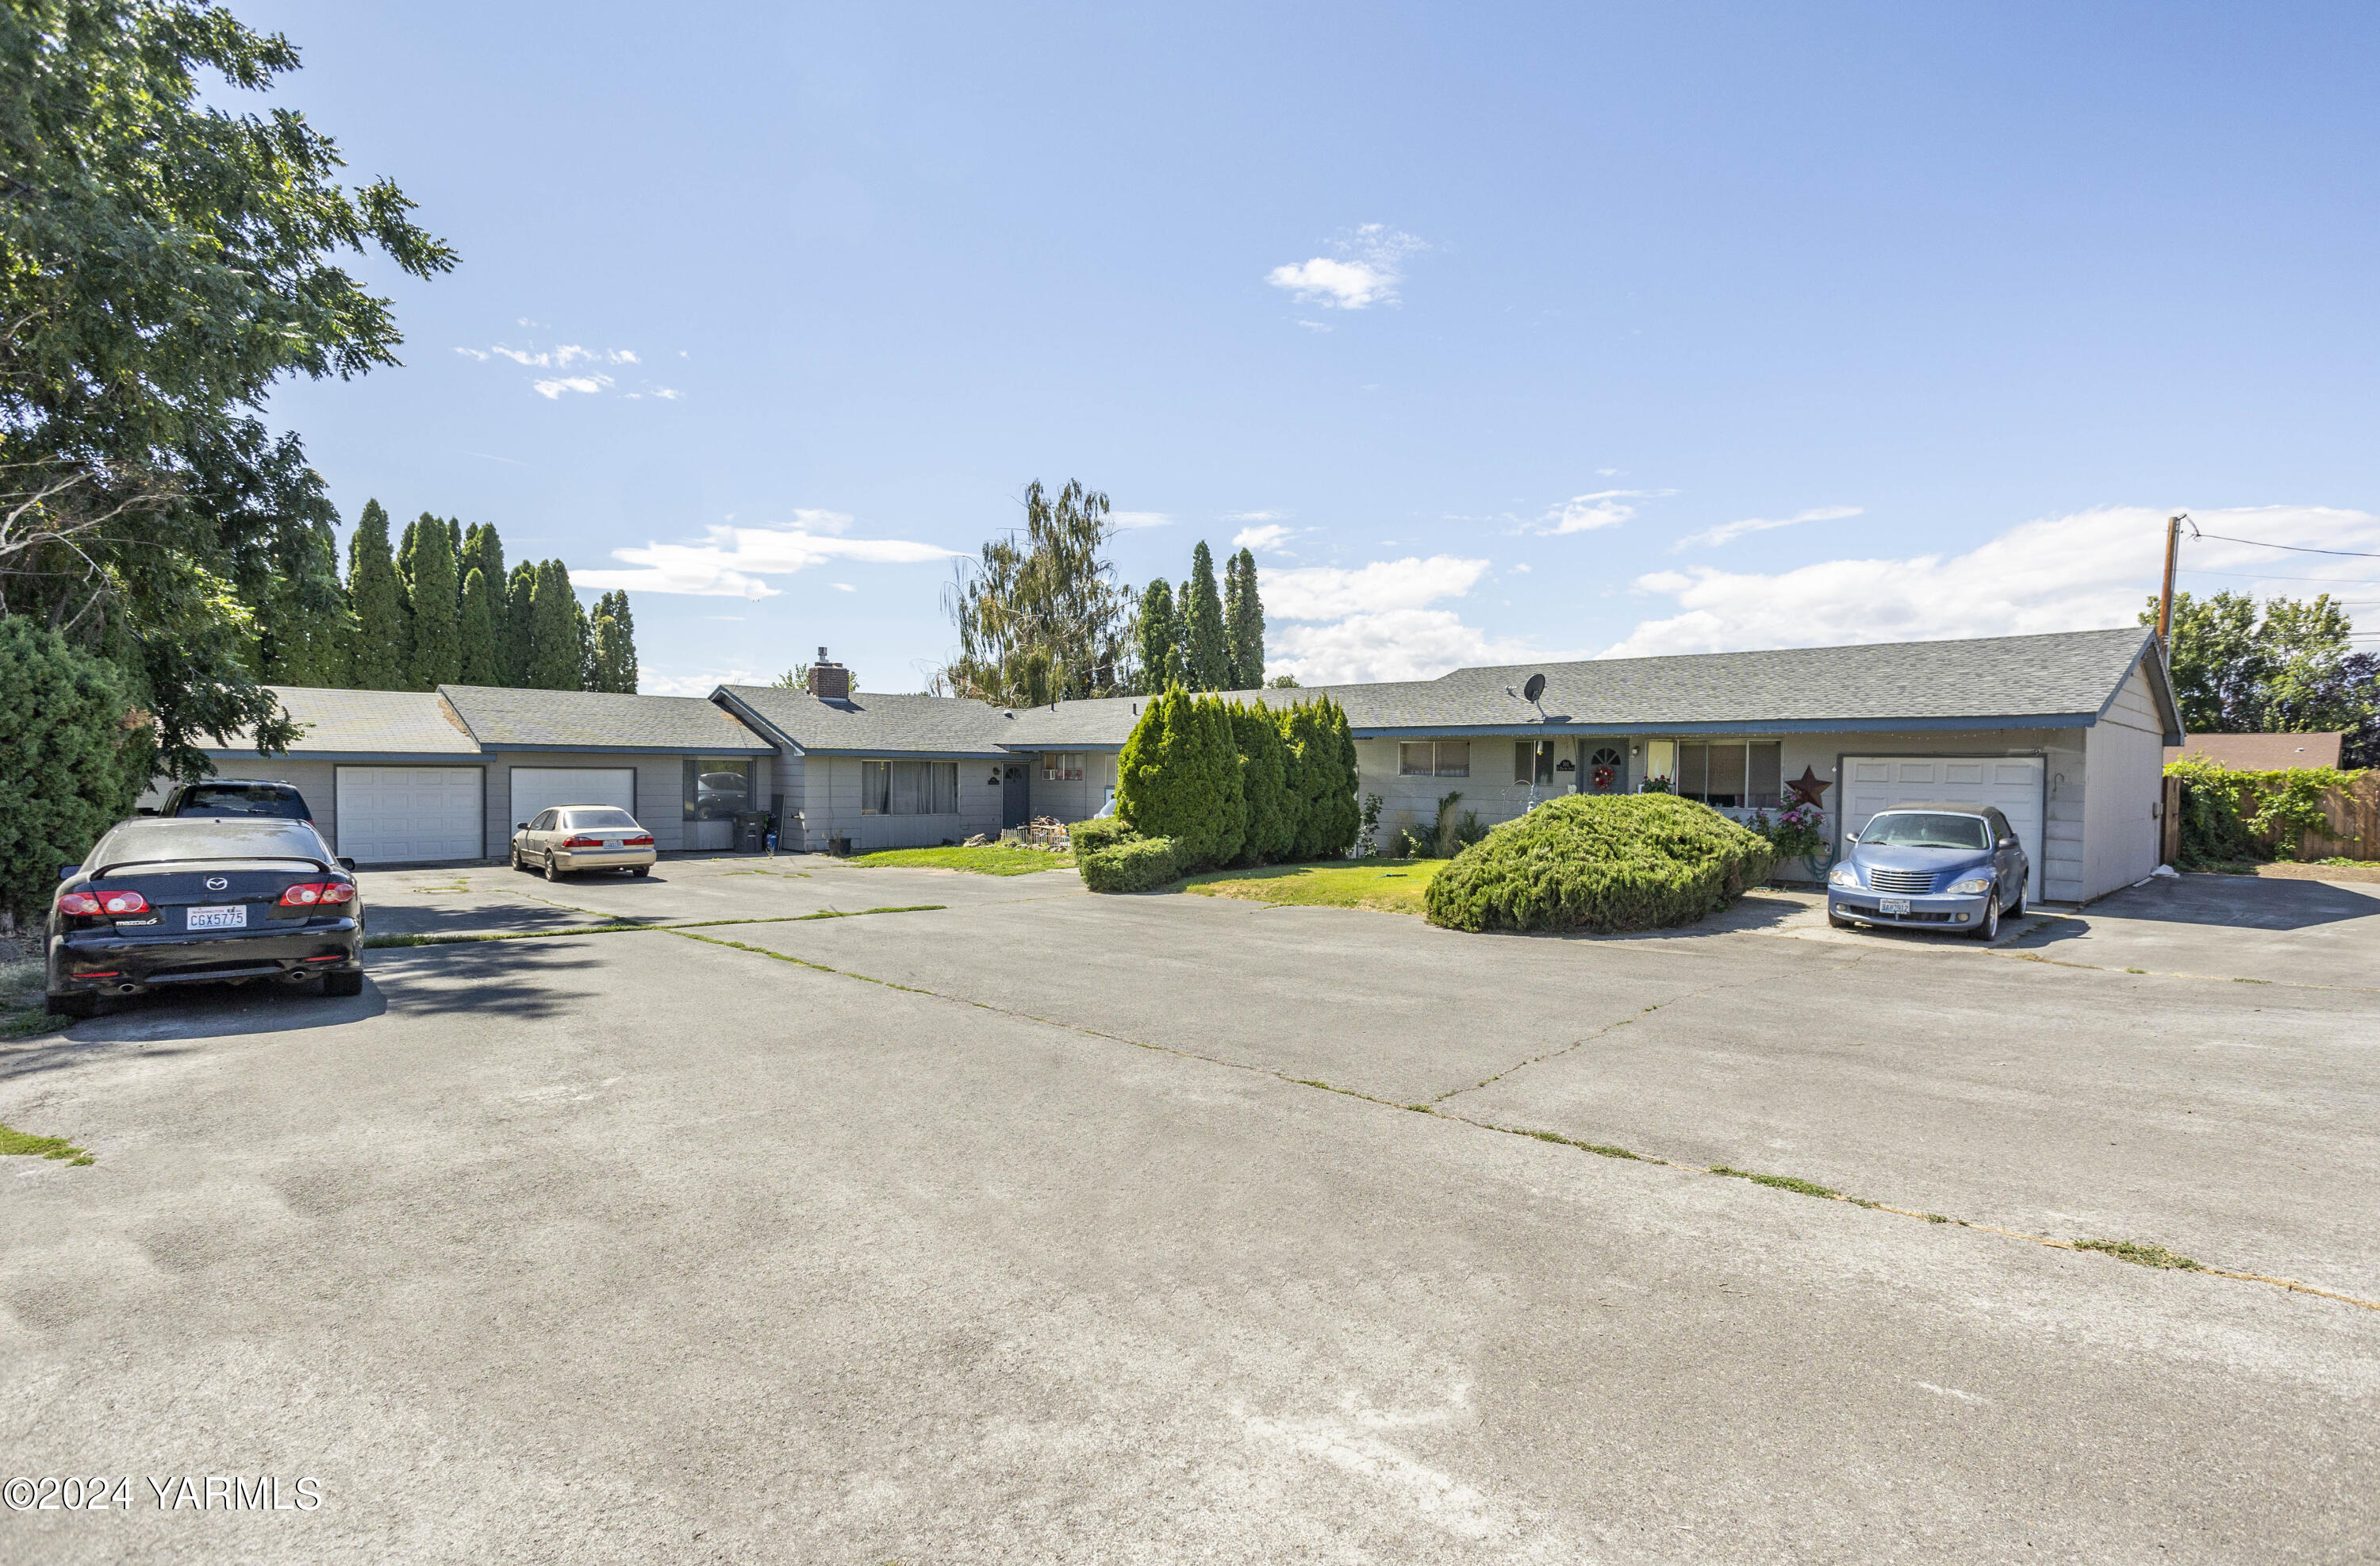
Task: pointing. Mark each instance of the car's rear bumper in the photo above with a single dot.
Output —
(1941, 911)
(103, 961)
(602, 859)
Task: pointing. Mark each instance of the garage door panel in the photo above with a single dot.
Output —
(2012, 785)
(399, 815)
(542, 788)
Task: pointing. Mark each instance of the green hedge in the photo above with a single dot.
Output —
(1090, 837)
(1136, 866)
(74, 754)
(1602, 863)
(2228, 815)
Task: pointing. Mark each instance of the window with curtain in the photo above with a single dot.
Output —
(1062, 766)
(909, 788)
(1732, 774)
(1434, 758)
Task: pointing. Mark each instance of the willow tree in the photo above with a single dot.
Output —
(1040, 616)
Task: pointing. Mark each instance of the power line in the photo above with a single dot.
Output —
(2295, 549)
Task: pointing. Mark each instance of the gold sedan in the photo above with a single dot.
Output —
(569, 838)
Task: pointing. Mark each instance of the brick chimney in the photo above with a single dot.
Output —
(829, 681)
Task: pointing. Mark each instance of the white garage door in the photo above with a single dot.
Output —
(2011, 783)
(396, 815)
(542, 788)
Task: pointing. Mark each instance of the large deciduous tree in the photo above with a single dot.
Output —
(163, 262)
(1042, 618)
(2288, 667)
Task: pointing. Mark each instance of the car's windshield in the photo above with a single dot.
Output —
(1926, 829)
(242, 799)
(600, 820)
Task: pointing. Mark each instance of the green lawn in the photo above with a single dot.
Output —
(22, 1014)
(993, 859)
(1391, 886)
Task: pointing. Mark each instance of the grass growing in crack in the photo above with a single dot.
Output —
(1781, 1183)
(1936, 1218)
(21, 1142)
(2140, 1255)
(1600, 1149)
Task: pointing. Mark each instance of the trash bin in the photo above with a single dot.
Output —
(751, 830)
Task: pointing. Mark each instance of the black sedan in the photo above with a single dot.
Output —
(162, 900)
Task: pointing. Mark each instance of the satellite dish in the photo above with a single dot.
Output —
(1534, 687)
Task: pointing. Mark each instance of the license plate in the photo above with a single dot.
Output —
(234, 918)
(1892, 904)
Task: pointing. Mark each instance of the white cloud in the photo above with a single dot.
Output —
(730, 560)
(1400, 644)
(2093, 569)
(473, 353)
(1523, 569)
(553, 390)
(1257, 516)
(1728, 532)
(1272, 536)
(1366, 271)
(649, 684)
(843, 586)
(1584, 513)
(1330, 592)
(669, 393)
(1132, 521)
(1313, 325)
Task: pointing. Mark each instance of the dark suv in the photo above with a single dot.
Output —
(235, 799)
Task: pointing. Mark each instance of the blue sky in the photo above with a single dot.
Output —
(1495, 331)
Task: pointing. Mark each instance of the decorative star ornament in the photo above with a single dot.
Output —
(1809, 788)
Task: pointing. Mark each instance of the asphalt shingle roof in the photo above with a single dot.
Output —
(366, 722)
(874, 724)
(2058, 675)
(503, 718)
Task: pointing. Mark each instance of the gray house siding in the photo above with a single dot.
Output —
(661, 791)
(1078, 800)
(2124, 765)
(832, 808)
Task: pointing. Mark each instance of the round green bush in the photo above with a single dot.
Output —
(1137, 865)
(1602, 863)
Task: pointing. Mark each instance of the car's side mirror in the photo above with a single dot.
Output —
(520, 826)
(347, 864)
(146, 810)
(68, 872)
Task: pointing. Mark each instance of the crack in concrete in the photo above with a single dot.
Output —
(1429, 1109)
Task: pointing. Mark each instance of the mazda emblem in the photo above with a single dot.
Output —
(216, 883)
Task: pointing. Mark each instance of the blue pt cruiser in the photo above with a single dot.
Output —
(1931, 867)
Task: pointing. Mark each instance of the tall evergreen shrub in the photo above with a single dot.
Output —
(1271, 831)
(475, 634)
(436, 599)
(1179, 778)
(383, 649)
(514, 628)
(74, 754)
(1205, 654)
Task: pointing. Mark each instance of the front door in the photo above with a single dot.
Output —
(1605, 769)
(1015, 795)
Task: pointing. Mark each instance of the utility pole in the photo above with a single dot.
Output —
(2165, 601)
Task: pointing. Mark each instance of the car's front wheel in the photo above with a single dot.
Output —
(1989, 927)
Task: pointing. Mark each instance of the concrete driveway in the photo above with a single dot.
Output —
(1046, 1227)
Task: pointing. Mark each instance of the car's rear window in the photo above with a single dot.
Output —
(243, 799)
(1927, 828)
(158, 839)
(598, 821)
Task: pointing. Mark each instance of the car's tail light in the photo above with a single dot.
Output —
(123, 903)
(77, 903)
(582, 842)
(310, 893)
(644, 842)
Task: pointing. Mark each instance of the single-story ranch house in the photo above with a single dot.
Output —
(2065, 733)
